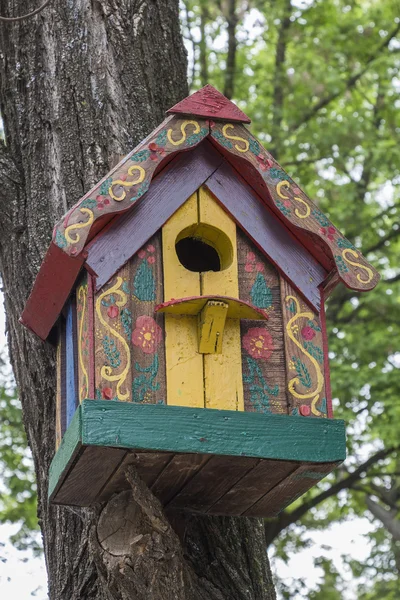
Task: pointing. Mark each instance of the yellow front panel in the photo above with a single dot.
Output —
(194, 379)
(184, 365)
(222, 372)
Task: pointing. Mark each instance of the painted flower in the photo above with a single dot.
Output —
(264, 162)
(307, 333)
(142, 253)
(258, 343)
(151, 260)
(305, 410)
(150, 248)
(248, 267)
(113, 311)
(107, 393)
(154, 150)
(259, 267)
(328, 232)
(147, 334)
(287, 203)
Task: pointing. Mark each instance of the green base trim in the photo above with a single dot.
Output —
(160, 428)
(68, 449)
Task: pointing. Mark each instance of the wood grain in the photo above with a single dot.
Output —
(170, 189)
(259, 284)
(267, 232)
(304, 355)
(209, 103)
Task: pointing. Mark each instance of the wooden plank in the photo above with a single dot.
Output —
(252, 487)
(304, 355)
(267, 232)
(113, 372)
(303, 217)
(209, 103)
(83, 337)
(289, 489)
(148, 464)
(184, 365)
(144, 328)
(63, 360)
(325, 350)
(51, 289)
(92, 382)
(208, 431)
(59, 391)
(176, 474)
(212, 482)
(69, 448)
(88, 476)
(71, 391)
(263, 355)
(169, 190)
(222, 372)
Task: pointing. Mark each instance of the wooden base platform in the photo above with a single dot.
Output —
(209, 461)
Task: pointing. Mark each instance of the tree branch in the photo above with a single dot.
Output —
(288, 518)
(280, 77)
(232, 21)
(348, 84)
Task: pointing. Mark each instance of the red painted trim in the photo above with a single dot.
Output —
(325, 348)
(90, 299)
(209, 103)
(51, 289)
(176, 302)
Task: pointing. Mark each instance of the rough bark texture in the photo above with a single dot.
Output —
(81, 83)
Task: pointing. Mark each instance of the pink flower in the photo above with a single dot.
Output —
(305, 410)
(308, 333)
(106, 201)
(328, 232)
(150, 248)
(264, 163)
(296, 191)
(287, 203)
(107, 393)
(100, 206)
(154, 150)
(147, 334)
(259, 267)
(151, 260)
(248, 268)
(258, 343)
(142, 253)
(113, 311)
(251, 257)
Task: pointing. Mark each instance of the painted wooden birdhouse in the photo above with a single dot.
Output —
(185, 293)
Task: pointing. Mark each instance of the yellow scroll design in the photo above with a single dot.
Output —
(127, 184)
(106, 371)
(183, 128)
(355, 254)
(82, 296)
(235, 137)
(290, 328)
(76, 238)
(298, 214)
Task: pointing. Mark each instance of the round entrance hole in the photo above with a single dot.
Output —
(201, 248)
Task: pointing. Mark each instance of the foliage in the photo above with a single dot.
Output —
(17, 484)
(320, 81)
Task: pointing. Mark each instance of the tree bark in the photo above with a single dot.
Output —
(80, 84)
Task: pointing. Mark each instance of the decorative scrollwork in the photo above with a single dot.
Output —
(106, 371)
(183, 131)
(235, 137)
(127, 184)
(76, 238)
(355, 254)
(290, 328)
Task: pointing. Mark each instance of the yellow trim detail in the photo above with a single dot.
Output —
(106, 371)
(235, 137)
(290, 328)
(127, 184)
(354, 264)
(183, 127)
(308, 210)
(278, 189)
(82, 295)
(75, 240)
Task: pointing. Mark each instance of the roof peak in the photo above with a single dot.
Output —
(209, 103)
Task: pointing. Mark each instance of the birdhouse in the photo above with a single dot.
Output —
(185, 294)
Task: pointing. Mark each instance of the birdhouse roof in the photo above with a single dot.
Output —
(208, 120)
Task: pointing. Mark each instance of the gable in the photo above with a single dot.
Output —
(108, 252)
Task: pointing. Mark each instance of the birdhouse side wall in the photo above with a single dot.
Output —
(306, 356)
(129, 335)
(262, 342)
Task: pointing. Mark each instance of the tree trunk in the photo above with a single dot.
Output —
(81, 83)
